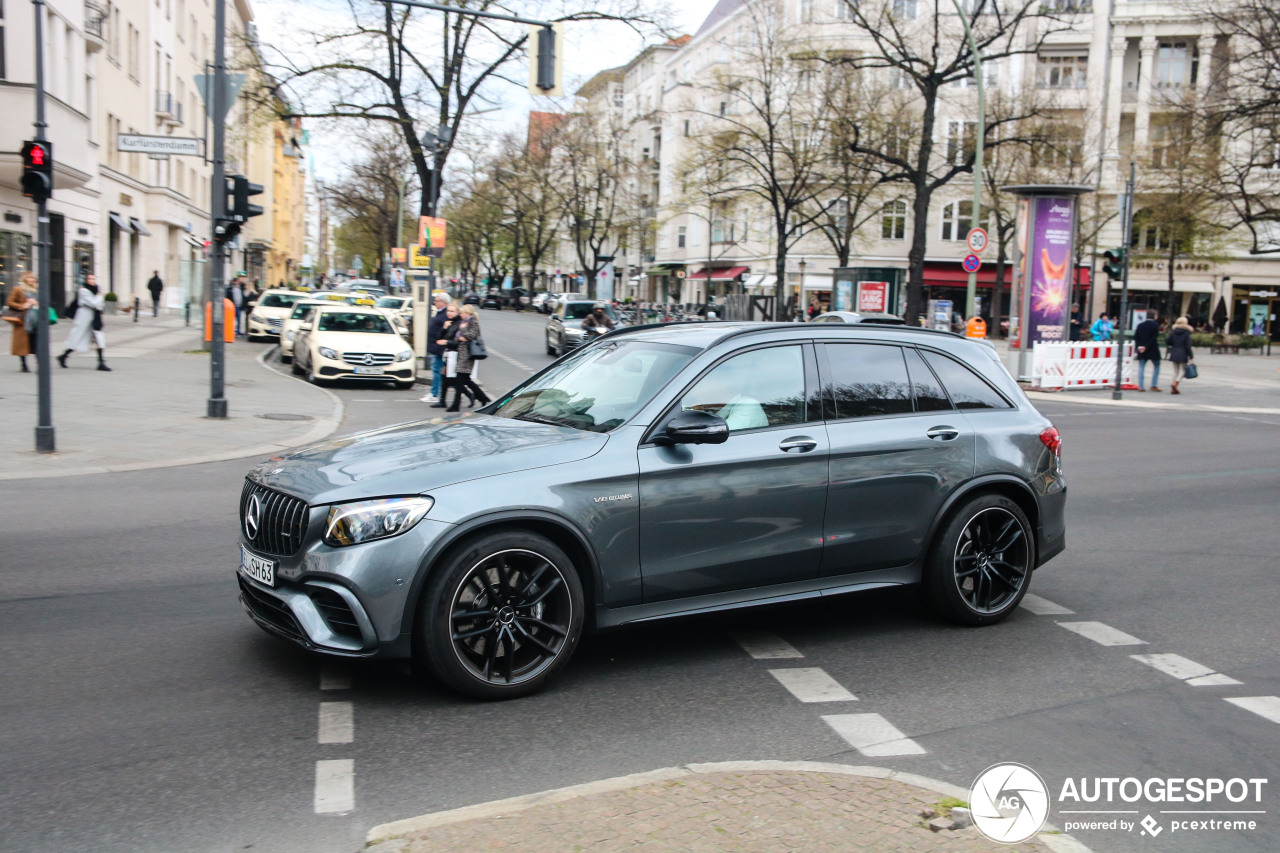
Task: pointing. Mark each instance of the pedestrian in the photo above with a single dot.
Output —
(1180, 353)
(1102, 327)
(435, 349)
(22, 304)
(449, 352)
(86, 328)
(1146, 341)
(814, 310)
(156, 285)
(251, 297)
(1077, 323)
(468, 330)
(235, 292)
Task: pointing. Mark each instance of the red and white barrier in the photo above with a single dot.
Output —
(1086, 364)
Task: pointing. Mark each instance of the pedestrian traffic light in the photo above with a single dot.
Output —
(1114, 267)
(37, 169)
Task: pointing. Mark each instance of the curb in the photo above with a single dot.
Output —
(1062, 397)
(1049, 836)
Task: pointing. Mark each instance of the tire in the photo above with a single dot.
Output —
(551, 350)
(312, 378)
(287, 359)
(295, 368)
(980, 564)
(500, 616)
(560, 347)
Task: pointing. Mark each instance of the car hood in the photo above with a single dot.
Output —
(361, 342)
(417, 457)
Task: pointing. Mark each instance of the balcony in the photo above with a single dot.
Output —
(95, 21)
(168, 108)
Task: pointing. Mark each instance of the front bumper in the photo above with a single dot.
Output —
(265, 327)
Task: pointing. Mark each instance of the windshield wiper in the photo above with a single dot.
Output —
(543, 419)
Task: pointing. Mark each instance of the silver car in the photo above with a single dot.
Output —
(655, 472)
(564, 326)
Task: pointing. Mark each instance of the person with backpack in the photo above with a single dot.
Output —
(86, 326)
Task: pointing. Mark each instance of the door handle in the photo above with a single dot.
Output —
(944, 433)
(798, 444)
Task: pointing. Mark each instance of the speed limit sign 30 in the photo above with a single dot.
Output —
(977, 240)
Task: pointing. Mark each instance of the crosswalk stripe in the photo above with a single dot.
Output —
(1195, 674)
(762, 645)
(1102, 634)
(1267, 707)
(1043, 606)
(872, 735)
(812, 684)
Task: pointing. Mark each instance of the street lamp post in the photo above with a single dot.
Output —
(971, 289)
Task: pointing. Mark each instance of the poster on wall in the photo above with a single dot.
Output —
(1047, 268)
(873, 297)
(844, 296)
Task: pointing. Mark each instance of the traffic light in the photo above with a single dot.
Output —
(237, 206)
(1114, 267)
(37, 169)
(545, 45)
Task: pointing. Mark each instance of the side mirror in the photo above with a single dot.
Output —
(304, 327)
(694, 427)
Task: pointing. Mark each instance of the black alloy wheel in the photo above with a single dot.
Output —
(502, 616)
(980, 565)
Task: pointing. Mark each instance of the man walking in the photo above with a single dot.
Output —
(435, 333)
(155, 286)
(1146, 341)
(235, 292)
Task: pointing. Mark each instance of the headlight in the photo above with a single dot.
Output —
(405, 356)
(573, 333)
(291, 334)
(329, 352)
(364, 521)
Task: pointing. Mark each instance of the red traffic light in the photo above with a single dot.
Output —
(37, 156)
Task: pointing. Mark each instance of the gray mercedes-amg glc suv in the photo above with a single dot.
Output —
(660, 471)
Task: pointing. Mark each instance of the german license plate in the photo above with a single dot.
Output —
(370, 371)
(263, 571)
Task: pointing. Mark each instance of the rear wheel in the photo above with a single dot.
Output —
(980, 564)
(501, 616)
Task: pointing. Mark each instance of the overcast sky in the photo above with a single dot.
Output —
(589, 48)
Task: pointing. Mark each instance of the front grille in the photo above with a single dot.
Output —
(270, 609)
(275, 322)
(366, 359)
(282, 520)
(336, 612)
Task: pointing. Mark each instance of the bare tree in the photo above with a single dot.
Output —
(372, 198)
(591, 162)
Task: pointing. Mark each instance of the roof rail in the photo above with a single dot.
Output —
(832, 327)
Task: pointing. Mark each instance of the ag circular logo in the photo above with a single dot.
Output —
(1009, 802)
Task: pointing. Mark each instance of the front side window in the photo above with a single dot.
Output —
(597, 388)
(866, 381)
(967, 390)
(761, 388)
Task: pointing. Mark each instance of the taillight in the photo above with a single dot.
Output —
(1051, 439)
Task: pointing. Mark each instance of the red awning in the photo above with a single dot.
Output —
(943, 274)
(723, 273)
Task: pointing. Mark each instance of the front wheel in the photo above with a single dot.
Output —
(980, 564)
(501, 616)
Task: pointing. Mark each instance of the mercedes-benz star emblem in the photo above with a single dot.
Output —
(368, 358)
(252, 517)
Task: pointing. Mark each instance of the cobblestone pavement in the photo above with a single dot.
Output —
(751, 810)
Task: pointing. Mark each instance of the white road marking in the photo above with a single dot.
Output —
(762, 645)
(1267, 707)
(872, 735)
(336, 786)
(812, 684)
(337, 722)
(1102, 634)
(1043, 606)
(1195, 674)
(509, 360)
(335, 676)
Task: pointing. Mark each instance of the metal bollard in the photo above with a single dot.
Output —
(137, 303)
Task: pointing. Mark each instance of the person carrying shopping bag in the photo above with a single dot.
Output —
(22, 304)
(86, 328)
(1180, 353)
(464, 343)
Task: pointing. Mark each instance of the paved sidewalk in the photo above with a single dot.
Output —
(763, 806)
(148, 412)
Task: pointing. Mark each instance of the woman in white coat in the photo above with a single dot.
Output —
(87, 325)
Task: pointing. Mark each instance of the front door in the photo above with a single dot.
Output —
(898, 450)
(748, 512)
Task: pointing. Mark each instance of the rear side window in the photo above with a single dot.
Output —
(967, 389)
(928, 394)
(867, 381)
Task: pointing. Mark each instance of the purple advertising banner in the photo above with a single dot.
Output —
(1047, 265)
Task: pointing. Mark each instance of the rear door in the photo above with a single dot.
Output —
(748, 512)
(898, 450)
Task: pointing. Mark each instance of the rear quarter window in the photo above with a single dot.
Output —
(967, 389)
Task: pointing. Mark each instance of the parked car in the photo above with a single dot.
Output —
(266, 320)
(399, 310)
(302, 310)
(352, 342)
(491, 300)
(659, 471)
(540, 301)
(564, 326)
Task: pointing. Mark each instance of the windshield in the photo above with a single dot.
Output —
(281, 300)
(579, 310)
(350, 321)
(597, 388)
(389, 302)
(301, 310)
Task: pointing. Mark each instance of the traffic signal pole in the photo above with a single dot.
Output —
(217, 405)
(45, 438)
(1116, 393)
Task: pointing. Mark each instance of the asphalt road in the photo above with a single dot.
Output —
(144, 712)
